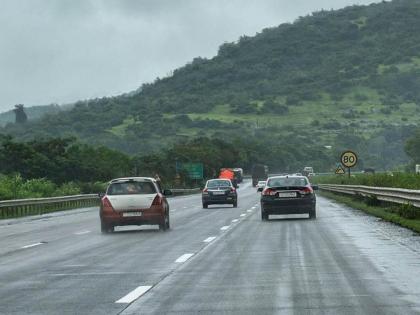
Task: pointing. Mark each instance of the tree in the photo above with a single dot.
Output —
(21, 117)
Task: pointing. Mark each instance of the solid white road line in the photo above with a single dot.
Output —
(135, 294)
(81, 232)
(235, 220)
(184, 258)
(209, 239)
(32, 245)
(224, 228)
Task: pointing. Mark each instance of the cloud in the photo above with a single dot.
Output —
(62, 51)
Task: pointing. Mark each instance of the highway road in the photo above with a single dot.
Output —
(220, 260)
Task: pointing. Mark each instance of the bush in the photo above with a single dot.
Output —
(408, 211)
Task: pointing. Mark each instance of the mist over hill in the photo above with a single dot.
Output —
(342, 79)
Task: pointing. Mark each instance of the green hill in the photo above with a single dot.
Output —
(346, 79)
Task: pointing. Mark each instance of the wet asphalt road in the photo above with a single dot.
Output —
(219, 260)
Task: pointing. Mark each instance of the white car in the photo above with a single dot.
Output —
(261, 184)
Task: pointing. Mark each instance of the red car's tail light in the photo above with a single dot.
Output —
(158, 201)
(306, 191)
(268, 192)
(106, 205)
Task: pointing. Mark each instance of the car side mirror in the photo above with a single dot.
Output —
(260, 189)
(315, 187)
(167, 192)
(101, 195)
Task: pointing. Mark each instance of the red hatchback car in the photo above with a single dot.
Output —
(134, 201)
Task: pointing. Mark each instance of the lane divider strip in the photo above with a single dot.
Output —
(134, 295)
(33, 245)
(184, 258)
(209, 239)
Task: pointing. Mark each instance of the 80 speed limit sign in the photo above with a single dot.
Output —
(348, 159)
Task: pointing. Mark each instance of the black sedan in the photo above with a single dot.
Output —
(219, 191)
(288, 195)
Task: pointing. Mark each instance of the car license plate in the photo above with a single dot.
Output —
(218, 192)
(287, 194)
(132, 214)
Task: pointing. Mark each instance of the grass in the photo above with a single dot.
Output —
(119, 130)
(387, 213)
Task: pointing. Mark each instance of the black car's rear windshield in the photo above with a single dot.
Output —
(218, 183)
(287, 182)
(131, 188)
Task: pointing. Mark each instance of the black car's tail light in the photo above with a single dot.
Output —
(306, 191)
(268, 192)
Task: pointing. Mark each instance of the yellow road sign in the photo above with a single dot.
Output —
(348, 159)
(340, 170)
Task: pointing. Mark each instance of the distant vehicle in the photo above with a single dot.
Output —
(239, 174)
(259, 172)
(288, 195)
(307, 170)
(219, 191)
(228, 173)
(311, 174)
(261, 184)
(134, 201)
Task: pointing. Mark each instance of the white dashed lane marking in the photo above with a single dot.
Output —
(134, 295)
(184, 258)
(209, 239)
(81, 232)
(32, 245)
(235, 220)
(224, 228)
(243, 214)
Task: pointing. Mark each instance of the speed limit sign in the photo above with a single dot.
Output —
(348, 159)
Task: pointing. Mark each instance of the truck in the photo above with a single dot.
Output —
(236, 174)
(259, 172)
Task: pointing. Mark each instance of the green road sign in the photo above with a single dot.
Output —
(194, 170)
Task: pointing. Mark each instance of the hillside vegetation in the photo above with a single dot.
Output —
(346, 79)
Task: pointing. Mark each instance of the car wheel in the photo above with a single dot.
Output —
(264, 215)
(164, 225)
(104, 227)
(205, 205)
(312, 213)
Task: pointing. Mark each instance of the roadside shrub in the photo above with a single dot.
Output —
(408, 211)
(372, 201)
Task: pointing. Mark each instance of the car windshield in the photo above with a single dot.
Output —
(218, 183)
(287, 182)
(130, 188)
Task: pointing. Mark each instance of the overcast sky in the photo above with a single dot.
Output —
(59, 51)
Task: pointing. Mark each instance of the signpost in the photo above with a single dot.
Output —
(194, 170)
(340, 170)
(348, 159)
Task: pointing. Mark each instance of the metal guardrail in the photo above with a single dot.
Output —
(393, 195)
(36, 206)
(24, 207)
(180, 192)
